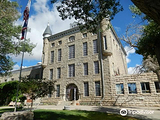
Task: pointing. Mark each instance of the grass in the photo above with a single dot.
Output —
(76, 115)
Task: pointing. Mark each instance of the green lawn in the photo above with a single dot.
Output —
(76, 115)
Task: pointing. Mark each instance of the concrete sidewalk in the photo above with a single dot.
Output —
(144, 113)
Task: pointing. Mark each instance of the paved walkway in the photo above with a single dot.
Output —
(144, 113)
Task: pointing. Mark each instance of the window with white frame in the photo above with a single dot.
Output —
(157, 85)
(97, 88)
(51, 74)
(85, 49)
(86, 89)
(85, 66)
(96, 67)
(95, 46)
(71, 51)
(145, 87)
(59, 54)
(71, 70)
(120, 88)
(52, 56)
(132, 88)
(58, 73)
(58, 91)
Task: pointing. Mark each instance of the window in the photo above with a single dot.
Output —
(37, 76)
(145, 87)
(12, 79)
(71, 38)
(95, 46)
(59, 42)
(58, 73)
(52, 45)
(85, 65)
(85, 51)
(120, 88)
(96, 67)
(51, 74)
(50, 91)
(84, 35)
(72, 70)
(97, 88)
(58, 91)
(52, 56)
(157, 85)
(71, 51)
(86, 89)
(132, 88)
(59, 54)
(105, 42)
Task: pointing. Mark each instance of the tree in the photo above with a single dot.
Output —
(149, 7)
(9, 33)
(146, 39)
(8, 92)
(90, 12)
(36, 88)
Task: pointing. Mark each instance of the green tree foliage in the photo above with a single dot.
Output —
(90, 12)
(36, 88)
(8, 92)
(9, 33)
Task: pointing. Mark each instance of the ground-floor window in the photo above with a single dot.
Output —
(145, 87)
(97, 88)
(86, 89)
(58, 91)
(132, 88)
(120, 88)
(157, 85)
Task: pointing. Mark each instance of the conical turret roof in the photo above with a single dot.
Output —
(47, 31)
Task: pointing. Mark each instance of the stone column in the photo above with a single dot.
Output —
(74, 94)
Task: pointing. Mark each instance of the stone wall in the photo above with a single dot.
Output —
(139, 99)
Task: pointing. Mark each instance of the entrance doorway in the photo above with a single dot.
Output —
(72, 92)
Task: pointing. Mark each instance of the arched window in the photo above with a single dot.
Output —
(71, 38)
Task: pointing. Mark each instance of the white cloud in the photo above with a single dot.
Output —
(129, 50)
(16, 67)
(134, 70)
(118, 29)
(38, 22)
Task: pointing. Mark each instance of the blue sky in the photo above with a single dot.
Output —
(42, 12)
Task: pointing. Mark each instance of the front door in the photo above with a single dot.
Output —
(71, 92)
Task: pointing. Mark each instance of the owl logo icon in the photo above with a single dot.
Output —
(123, 112)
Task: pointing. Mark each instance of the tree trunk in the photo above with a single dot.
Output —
(149, 7)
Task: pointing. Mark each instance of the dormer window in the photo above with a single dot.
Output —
(84, 35)
(71, 38)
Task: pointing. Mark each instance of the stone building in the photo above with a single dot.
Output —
(72, 59)
(30, 72)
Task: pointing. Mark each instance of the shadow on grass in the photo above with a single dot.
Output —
(76, 115)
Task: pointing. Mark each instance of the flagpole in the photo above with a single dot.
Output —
(20, 73)
(25, 34)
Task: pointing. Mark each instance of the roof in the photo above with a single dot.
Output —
(47, 31)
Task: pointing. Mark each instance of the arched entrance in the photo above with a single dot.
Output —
(72, 92)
